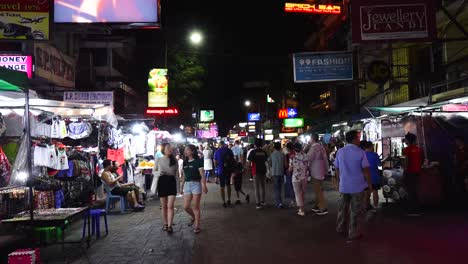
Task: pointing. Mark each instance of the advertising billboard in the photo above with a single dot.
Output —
(20, 63)
(106, 11)
(24, 19)
(293, 122)
(253, 117)
(312, 8)
(106, 98)
(158, 87)
(322, 66)
(393, 20)
(53, 65)
(206, 115)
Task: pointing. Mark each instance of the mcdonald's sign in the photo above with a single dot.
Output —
(287, 113)
(283, 113)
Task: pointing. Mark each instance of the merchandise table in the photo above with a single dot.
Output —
(53, 218)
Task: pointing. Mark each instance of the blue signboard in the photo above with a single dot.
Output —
(253, 117)
(292, 112)
(322, 66)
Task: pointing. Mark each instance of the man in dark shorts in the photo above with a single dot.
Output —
(222, 158)
(374, 163)
(115, 188)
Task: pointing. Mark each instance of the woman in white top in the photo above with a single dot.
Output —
(208, 162)
(167, 167)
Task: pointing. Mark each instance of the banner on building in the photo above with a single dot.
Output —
(24, 19)
(393, 20)
(22, 63)
(322, 66)
(158, 88)
(53, 65)
(106, 98)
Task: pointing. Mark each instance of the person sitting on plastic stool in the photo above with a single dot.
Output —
(130, 186)
(116, 188)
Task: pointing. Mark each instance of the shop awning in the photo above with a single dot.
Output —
(394, 110)
(12, 80)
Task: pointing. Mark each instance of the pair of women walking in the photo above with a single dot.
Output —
(193, 182)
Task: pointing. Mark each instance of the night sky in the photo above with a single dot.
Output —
(243, 41)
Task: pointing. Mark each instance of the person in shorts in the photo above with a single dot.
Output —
(374, 163)
(194, 183)
(223, 158)
(237, 180)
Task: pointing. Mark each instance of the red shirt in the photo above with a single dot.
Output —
(414, 156)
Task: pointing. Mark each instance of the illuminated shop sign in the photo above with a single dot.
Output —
(287, 113)
(312, 8)
(293, 122)
(253, 117)
(162, 111)
(158, 88)
(19, 63)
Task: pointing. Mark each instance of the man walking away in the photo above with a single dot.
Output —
(258, 158)
(276, 162)
(223, 158)
(318, 159)
(353, 176)
(237, 151)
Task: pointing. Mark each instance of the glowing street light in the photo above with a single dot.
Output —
(247, 103)
(196, 38)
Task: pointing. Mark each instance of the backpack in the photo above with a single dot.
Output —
(229, 163)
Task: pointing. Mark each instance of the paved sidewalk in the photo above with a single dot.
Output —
(245, 235)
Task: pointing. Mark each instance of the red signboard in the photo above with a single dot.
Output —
(242, 134)
(283, 113)
(312, 8)
(455, 108)
(162, 111)
(393, 20)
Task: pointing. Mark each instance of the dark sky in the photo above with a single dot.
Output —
(243, 41)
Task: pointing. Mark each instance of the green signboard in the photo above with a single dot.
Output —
(293, 122)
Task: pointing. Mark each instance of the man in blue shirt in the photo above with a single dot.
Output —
(353, 176)
(222, 157)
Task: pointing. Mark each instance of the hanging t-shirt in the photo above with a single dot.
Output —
(62, 159)
(51, 158)
(117, 155)
(150, 144)
(140, 144)
(2, 125)
(79, 130)
(55, 128)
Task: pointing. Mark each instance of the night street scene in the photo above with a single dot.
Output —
(210, 132)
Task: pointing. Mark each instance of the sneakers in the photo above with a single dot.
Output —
(315, 209)
(247, 198)
(322, 212)
(263, 203)
(229, 203)
(238, 202)
(300, 213)
(258, 207)
(225, 205)
(280, 206)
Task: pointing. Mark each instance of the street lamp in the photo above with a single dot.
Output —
(196, 38)
(247, 103)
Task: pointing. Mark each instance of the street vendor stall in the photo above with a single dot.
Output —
(42, 156)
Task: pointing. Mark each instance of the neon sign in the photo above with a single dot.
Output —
(287, 113)
(312, 9)
(162, 111)
(22, 63)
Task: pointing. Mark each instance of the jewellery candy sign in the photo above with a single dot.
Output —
(387, 20)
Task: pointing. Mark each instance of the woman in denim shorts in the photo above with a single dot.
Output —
(194, 184)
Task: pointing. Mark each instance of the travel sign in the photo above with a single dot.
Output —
(293, 122)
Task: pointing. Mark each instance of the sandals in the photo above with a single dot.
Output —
(170, 230)
(165, 228)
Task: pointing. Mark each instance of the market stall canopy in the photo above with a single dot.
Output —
(66, 109)
(12, 80)
(394, 110)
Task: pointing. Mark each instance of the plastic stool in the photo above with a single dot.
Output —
(96, 222)
(109, 201)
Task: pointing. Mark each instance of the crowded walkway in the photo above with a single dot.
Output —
(244, 235)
